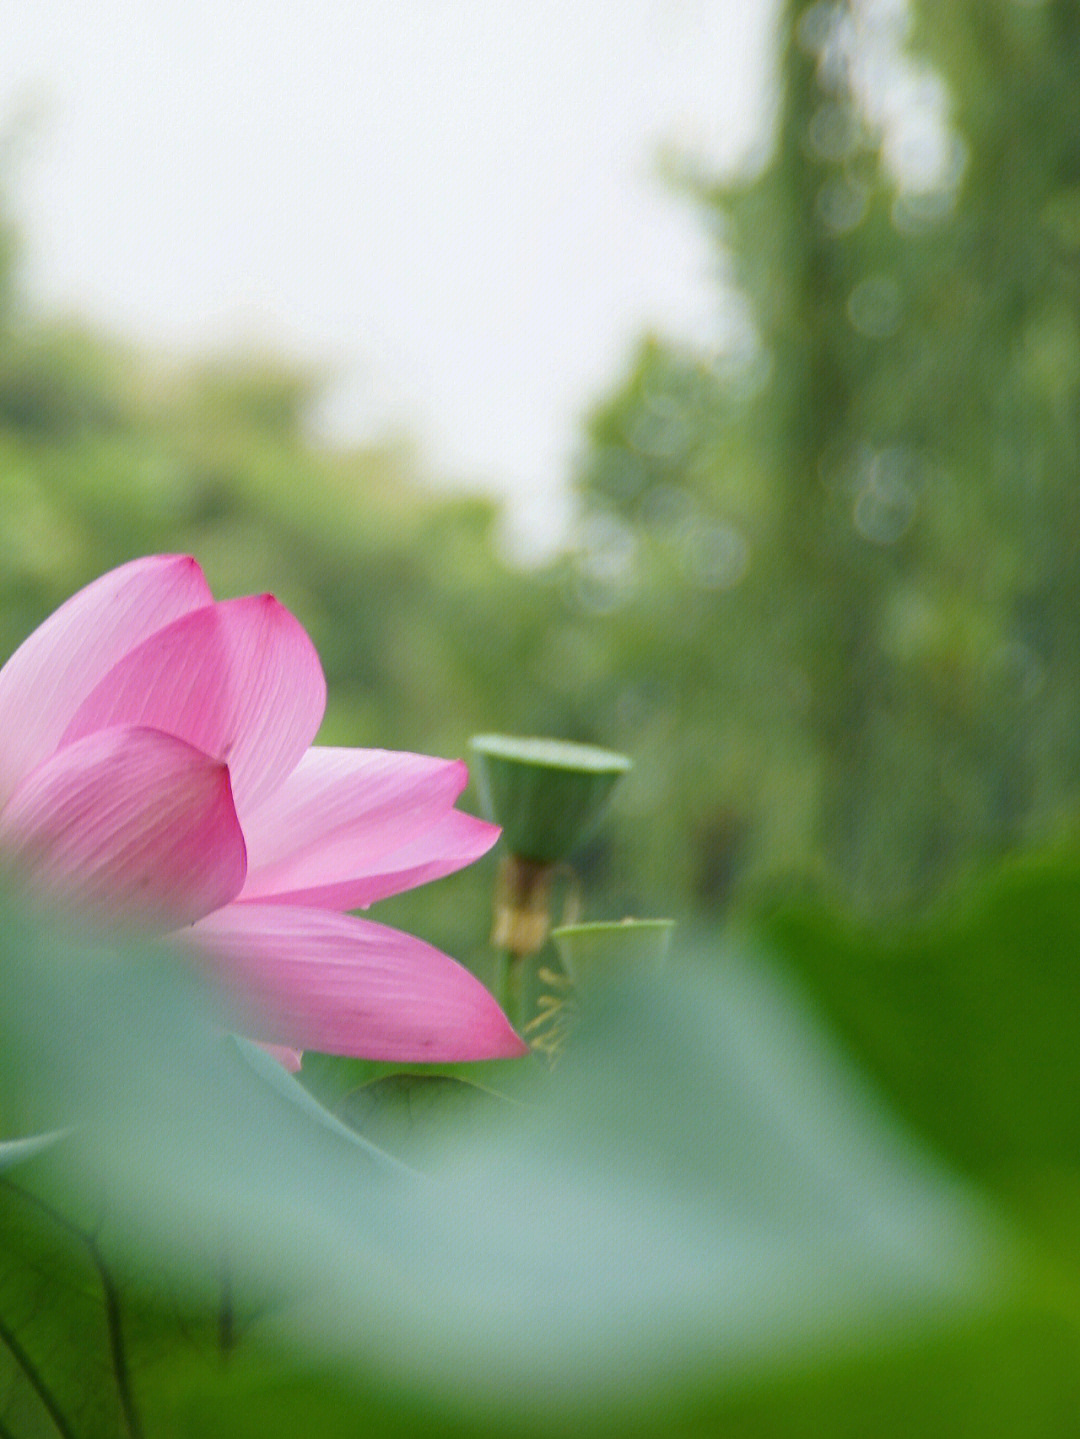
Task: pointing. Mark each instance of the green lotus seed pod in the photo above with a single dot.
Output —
(596, 954)
(546, 794)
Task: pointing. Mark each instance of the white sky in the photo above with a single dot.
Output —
(454, 200)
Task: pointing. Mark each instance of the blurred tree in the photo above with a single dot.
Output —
(824, 582)
(873, 482)
(10, 248)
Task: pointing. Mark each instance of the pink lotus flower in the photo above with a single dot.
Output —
(156, 766)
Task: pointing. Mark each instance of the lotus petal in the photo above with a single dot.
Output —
(239, 680)
(351, 826)
(60, 663)
(130, 824)
(312, 979)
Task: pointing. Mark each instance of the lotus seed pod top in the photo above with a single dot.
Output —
(545, 794)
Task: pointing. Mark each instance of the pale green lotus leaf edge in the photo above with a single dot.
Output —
(551, 753)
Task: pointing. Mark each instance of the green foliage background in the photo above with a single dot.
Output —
(825, 583)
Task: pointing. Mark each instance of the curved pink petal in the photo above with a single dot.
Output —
(452, 842)
(56, 667)
(456, 841)
(312, 979)
(239, 680)
(133, 824)
(346, 819)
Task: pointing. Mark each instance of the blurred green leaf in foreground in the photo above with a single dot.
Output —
(703, 1217)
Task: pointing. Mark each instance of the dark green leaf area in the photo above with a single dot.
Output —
(57, 1374)
(971, 1022)
(1010, 1378)
(407, 1114)
(14, 1152)
(94, 1330)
